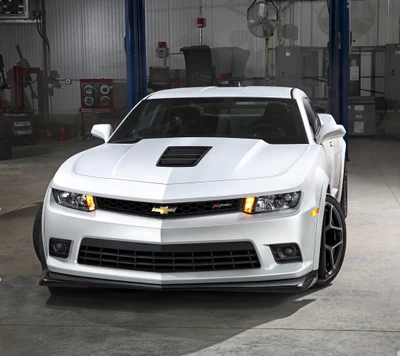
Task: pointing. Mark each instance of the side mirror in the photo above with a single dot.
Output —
(326, 119)
(102, 131)
(330, 132)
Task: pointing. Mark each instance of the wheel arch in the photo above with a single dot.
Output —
(322, 189)
(45, 204)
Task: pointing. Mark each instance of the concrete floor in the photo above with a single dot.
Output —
(358, 315)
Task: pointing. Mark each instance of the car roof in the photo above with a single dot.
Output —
(218, 92)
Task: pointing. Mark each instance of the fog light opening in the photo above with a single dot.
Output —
(59, 248)
(288, 253)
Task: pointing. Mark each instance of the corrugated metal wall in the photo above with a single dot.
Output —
(235, 49)
(30, 45)
(25, 36)
(87, 41)
(87, 38)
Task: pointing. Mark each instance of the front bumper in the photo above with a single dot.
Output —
(262, 230)
(295, 285)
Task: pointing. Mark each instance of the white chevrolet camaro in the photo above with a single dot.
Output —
(201, 189)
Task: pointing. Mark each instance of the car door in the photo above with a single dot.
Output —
(328, 146)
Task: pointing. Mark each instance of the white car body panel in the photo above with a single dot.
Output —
(216, 92)
(229, 159)
(233, 168)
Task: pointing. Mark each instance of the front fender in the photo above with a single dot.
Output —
(342, 171)
(321, 190)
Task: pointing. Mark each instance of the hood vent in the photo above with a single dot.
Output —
(182, 156)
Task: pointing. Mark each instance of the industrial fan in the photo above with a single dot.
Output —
(363, 17)
(262, 18)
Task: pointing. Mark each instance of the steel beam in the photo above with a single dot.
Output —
(345, 66)
(339, 50)
(135, 46)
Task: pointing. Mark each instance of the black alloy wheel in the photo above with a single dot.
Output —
(333, 242)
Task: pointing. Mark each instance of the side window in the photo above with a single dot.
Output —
(316, 117)
(312, 116)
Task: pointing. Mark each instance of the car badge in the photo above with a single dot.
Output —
(221, 205)
(163, 210)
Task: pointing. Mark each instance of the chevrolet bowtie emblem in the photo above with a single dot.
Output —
(163, 210)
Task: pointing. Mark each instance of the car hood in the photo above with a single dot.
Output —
(228, 159)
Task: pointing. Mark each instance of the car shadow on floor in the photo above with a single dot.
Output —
(192, 320)
(125, 322)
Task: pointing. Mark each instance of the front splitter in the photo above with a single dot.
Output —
(296, 285)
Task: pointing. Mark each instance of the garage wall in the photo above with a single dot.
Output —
(235, 49)
(87, 38)
(87, 41)
(373, 22)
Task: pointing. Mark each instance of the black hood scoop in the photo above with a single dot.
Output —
(182, 156)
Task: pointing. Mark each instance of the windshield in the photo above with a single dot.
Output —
(276, 121)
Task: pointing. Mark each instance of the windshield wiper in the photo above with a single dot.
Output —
(127, 140)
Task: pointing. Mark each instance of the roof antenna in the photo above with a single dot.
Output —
(239, 84)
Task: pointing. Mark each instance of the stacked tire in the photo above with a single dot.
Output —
(5, 140)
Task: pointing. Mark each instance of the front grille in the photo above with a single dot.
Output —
(182, 156)
(168, 258)
(179, 209)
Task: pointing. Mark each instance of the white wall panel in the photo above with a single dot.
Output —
(87, 37)
(242, 53)
(174, 21)
(87, 41)
(65, 28)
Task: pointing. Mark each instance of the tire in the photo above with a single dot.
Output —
(344, 203)
(333, 242)
(37, 238)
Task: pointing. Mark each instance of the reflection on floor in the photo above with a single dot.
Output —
(357, 315)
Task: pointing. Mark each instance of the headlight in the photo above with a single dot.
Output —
(74, 200)
(255, 205)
